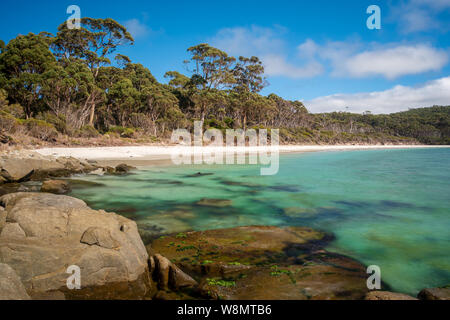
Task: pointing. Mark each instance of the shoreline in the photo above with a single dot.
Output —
(161, 155)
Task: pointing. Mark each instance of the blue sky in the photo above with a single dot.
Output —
(320, 52)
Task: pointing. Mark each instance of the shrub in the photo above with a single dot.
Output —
(88, 132)
(16, 110)
(40, 129)
(122, 131)
(8, 122)
(59, 122)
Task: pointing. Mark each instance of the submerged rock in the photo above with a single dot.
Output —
(217, 203)
(264, 263)
(56, 187)
(298, 212)
(43, 234)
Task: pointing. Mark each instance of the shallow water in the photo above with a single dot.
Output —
(386, 207)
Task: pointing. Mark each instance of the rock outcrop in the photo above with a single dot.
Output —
(43, 234)
(263, 263)
(24, 165)
(435, 294)
(11, 287)
(386, 295)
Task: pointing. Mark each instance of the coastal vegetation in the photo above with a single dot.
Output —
(74, 87)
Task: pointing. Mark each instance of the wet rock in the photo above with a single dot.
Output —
(56, 187)
(264, 263)
(169, 275)
(385, 295)
(217, 203)
(98, 172)
(11, 287)
(110, 170)
(124, 168)
(62, 231)
(435, 294)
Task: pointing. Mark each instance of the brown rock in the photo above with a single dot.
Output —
(56, 187)
(162, 271)
(101, 237)
(124, 168)
(12, 230)
(217, 203)
(435, 294)
(265, 263)
(385, 295)
(11, 287)
(178, 279)
(54, 226)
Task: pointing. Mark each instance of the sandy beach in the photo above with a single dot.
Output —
(142, 155)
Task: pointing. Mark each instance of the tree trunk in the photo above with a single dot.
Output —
(91, 116)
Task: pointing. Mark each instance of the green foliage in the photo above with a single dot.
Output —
(66, 83)
(88, 131)
(59, 122)
(40, 129)
(221, 283)
(122, 131)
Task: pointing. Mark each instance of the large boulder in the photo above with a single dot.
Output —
(11, 287)
(43, 234)
(27, 165)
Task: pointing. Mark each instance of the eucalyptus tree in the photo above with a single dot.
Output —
(249, 81)
(211, 70)
(23, 62)
(66, 90)
(93, 44)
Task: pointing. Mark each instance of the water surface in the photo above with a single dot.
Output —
(385, 207)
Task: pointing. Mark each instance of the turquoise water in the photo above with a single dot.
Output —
(386, 207)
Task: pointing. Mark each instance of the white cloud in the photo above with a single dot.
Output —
(276, 65)
(267, 44)
(395, 62)
(136, 28)
(419, 15)
(399, 98)
(350, 58)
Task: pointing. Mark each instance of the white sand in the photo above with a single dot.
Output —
(165, 153)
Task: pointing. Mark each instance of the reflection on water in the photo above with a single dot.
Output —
(385, 207)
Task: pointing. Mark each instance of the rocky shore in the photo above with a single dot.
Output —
(43, 234)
